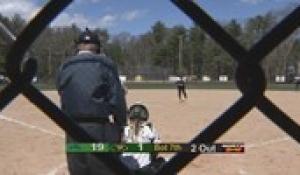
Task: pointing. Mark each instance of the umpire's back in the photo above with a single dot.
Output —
(89, 84)
(85, 82)
(90, 91)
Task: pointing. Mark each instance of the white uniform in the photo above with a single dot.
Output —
(145, 135)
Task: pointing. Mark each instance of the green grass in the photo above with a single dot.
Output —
(190, 85)
(168, 85)
(202, 85)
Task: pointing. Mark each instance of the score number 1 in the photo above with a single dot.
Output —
(98, 147)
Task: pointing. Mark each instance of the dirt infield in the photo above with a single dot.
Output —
(31, 144)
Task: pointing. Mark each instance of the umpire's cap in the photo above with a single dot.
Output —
(88, 37)
(138, 111)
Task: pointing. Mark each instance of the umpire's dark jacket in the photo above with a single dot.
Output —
(90, 91)
(89, 86)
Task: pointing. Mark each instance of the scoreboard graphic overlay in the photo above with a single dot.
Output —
(203, 148)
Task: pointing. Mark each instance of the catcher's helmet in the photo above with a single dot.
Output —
(88, 37)
(138, 111)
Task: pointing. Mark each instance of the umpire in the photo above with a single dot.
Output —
(91, 94)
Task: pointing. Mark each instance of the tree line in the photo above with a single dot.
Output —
(162, 50)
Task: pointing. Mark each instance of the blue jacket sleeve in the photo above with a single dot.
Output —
(62, 79)
(117, 99)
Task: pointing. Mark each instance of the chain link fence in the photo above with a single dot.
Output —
(250, 79)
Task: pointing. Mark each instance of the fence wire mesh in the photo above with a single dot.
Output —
(250, 79)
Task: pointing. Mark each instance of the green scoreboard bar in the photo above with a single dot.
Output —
(149, 147)
(130, 147)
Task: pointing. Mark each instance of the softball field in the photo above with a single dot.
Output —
(31, 144)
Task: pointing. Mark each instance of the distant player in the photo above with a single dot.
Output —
(181, 89)
(139, 130)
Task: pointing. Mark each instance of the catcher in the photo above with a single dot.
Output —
(139, 130)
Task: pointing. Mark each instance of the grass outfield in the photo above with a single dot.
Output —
(190, 85)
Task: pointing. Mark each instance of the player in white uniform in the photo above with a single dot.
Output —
(139, 130)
